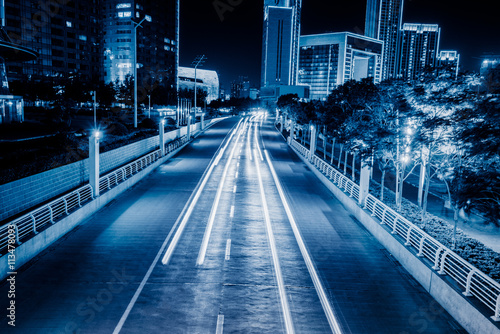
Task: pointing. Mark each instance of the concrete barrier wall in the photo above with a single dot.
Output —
(32, 247)
(448, 297)
(23, 194)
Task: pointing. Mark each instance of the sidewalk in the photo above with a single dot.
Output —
(472, 226)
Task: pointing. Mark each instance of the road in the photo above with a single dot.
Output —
(232, 235)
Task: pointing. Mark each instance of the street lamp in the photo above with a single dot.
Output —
(198, 61)
(136, 25)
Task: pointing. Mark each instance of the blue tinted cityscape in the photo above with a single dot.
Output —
(233, 166)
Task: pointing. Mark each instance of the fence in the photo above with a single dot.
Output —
(445, 261)
(29, 224)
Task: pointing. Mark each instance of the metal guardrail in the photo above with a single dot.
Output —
(445, 261)
(29, 224)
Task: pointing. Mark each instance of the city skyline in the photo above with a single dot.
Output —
(232, 37)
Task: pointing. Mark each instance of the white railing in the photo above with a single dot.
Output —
(31, 223)
(445, 261)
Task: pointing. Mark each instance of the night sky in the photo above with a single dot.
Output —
(233, 45)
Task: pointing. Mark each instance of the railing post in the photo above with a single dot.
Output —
(34, 223)
(394, 227)
(79, 199)
(421, 248)
(66, 204)
(436, 258)
(467, 286)
(408, 235)
(51, 215)
(443, 260)
(496, 317)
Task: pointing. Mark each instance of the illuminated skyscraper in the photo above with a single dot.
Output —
(383, 22)
(280, 42)
(419, 49)
(330, 60)
(157, 49)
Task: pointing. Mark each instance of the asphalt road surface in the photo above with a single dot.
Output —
(232, 235)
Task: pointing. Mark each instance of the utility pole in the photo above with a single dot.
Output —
(198, 61)
(136, 25)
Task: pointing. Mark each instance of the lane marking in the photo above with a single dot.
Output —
(236, 175)
(257, 144)
(132, 302)
(220, 324)
(228, 249)
(170, 250)
(234, 189)
(272, 243)
(327, 308)
(231, 214)
(249, 136)
(213, 211)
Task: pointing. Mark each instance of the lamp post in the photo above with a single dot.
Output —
(136, 25)
(198, 61)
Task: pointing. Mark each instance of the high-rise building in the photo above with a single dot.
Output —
(383, 22)
(280, 42)
(95, 38)
(329, 60)
(449, 61)
(157, 47)
(66, 34)
(419, 49)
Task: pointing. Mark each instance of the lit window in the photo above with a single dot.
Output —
(166, 40)
(123, 5)
(167, 48)
(82, 37)
(69, 24)
(137, 14)
(127, 14)
(148, 18)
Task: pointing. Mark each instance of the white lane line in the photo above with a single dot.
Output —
(170, 250)
(327, 308)
(231, 214)
(184, 211)
(257, 144)
(249, 136)
(221, 153)
(213, 212)
(272, 243)
(220, 324)
(236, 175)
(228, 249)
(234, 189)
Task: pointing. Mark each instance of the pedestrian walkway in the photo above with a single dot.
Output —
(473, 225)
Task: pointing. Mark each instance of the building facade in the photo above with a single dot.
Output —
(383, 22)
(280, 42)
(95, 38)
(329, 60)
(66, 34)
(157, 47)
(419, 49)
(449, 61)
(205, 79)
